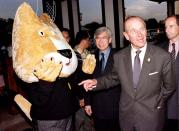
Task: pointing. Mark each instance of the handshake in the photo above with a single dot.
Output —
(89, 84)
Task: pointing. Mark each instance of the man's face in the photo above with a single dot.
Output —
(87, 43)
(135, 32)
(66, 36)
(103, 41)
(171, 28)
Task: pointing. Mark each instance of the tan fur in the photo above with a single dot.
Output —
(35, 39)
(24, 104)
(89, 64)
(32, 41)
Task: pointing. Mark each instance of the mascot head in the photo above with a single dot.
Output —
(36, 38)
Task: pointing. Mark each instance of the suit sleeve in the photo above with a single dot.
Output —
(87, 98)
(169, 81)
(110, 79)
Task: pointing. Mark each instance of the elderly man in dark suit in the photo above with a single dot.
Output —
(103, 105)
(145, 73)
(172, 46)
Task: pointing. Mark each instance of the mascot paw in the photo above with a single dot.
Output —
(89, 64)
(48, 70)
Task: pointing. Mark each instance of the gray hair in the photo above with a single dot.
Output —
(101, 30)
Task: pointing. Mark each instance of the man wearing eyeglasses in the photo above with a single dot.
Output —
(103, 105)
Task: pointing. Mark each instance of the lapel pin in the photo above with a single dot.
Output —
(148, 60)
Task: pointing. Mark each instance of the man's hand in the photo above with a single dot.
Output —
(89, 84)
(48, 70)
(88, 110)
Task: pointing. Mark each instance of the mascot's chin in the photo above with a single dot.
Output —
(36, 38)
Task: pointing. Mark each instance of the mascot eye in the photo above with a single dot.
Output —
(41, 33)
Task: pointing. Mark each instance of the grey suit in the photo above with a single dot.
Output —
(138, 107)
(173, 101)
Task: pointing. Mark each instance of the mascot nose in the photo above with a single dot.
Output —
(66, 52)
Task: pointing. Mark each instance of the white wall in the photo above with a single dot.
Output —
(109, 16)
(177, 7)
(65, 14)
(75, 16)
(120, 10)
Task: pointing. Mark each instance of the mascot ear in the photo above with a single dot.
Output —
(26, 18)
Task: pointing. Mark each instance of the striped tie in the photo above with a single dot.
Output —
(173, 52)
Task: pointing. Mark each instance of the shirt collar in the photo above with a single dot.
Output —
(176, 46)
(143, 49)
(106, 52)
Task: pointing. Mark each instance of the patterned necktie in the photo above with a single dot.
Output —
(173, 52)
(102, 62)
(136, 69)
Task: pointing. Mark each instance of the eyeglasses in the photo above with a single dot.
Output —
(102, 38)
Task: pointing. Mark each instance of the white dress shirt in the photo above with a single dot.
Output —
(141, 55)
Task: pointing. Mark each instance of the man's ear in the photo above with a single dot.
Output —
(110, 40)
(126, 35)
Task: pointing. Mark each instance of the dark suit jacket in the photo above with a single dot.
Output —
(138, 108)
(77, 77)
(173, 101)
(105, 102)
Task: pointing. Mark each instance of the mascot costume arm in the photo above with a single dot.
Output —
(40, 52)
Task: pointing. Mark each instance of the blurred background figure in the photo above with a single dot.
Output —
(172, 46)
(82, 43)
(66, 34)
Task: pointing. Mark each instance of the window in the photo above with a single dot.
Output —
(90, 11)
(153, 12)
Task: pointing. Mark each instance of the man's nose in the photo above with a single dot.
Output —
(166, 30)
(139, 33)
(66, 53)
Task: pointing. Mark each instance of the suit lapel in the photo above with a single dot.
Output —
(97, 70)
(109, 61)
(108, 66)
(166, 46)
(177, 67)
(128, 69)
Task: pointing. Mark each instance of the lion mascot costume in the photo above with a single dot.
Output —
(40, 52)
